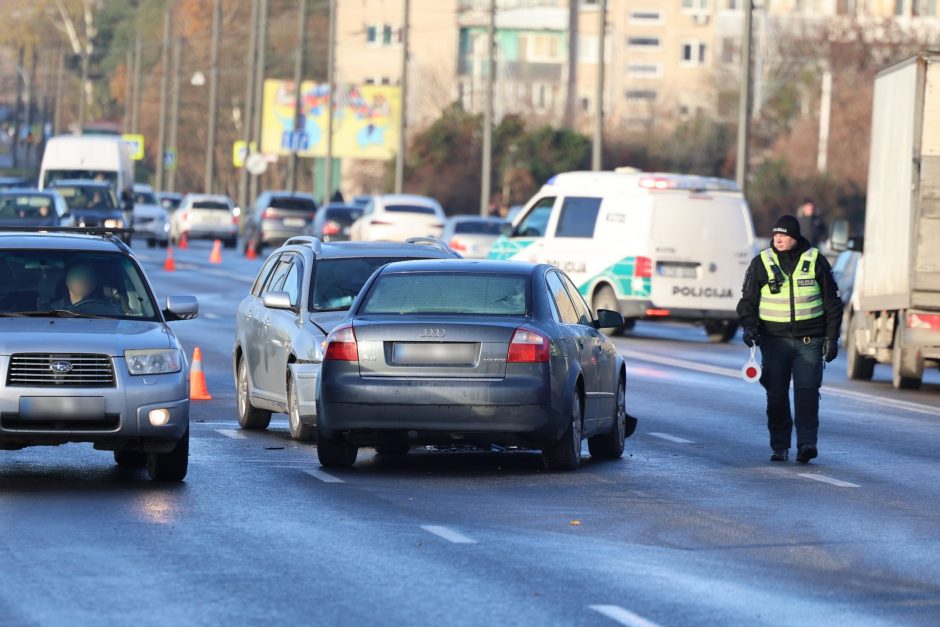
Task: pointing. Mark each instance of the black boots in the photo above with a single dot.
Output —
(806, 453)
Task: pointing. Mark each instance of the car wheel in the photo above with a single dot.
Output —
(566, 453)
(298, 430)
(170, 466)
(393, 449)
(248, 416)
(130, 459)
(858, 367)
(605, 298)
(335, 452)
(721, 331)
(610, 445)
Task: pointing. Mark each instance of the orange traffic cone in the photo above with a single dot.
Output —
(216, 255)
(169, 264)
(197, 379)
(251, 252)
(184, 241)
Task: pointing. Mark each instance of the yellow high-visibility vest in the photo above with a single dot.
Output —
(800, 296)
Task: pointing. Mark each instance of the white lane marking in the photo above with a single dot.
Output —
(736, 374)
(829, 480)
(235, 434)
(322, 476)
(448, 534)
(670, 438)
(622, 616)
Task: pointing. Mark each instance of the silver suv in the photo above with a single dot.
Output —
(303, 291)
(86, 354)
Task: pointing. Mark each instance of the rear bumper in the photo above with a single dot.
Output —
(631, 308)
(152, 230)
(208, 232)
(279, 235)
(518, 408)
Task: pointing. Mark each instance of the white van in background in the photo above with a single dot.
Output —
(653, 246)
(101, 157)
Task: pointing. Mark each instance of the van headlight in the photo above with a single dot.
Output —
(114, 223)
(153, 361)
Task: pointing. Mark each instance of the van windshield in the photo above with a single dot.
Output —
(105, 176)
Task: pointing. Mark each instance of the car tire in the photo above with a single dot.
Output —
(393, 449)
(130, 459)
(901, 378)
(298, 430)
(610, 445)
(249, 417)
(858, 367)
(721, 331)
(170, 466)
(336, 452)
(605, 298)
(566, 453)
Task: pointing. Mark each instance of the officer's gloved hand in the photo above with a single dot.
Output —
(751, 337)
(830, 349)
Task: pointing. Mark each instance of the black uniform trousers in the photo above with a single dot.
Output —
(801, 360)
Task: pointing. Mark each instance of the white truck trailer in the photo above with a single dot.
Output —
(894, 315)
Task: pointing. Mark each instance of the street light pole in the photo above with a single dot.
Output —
(403, 114)
(248, 118)
(744, 105)
(597, 154)
(259, 85)
(164, 80)
(331, 102)
(175, 112)
(213, 96)
(487, 171)
(299, 119)
(138, 53)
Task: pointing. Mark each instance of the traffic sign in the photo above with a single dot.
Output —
(136, 142)
(295, 141)
(240, 152)
(169, 159)
(256, 164)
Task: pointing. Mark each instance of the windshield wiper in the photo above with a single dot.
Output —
(55, 313)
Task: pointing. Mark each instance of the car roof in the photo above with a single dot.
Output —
(58, 241)
(199, 197)
(278, 192)
(170, 194)
(335, 250)
(27, 191)
(473, 218)
(413, 199)
(471, 266)
(80, 183)
(143, 187)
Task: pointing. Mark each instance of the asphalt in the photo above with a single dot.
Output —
(693, 526)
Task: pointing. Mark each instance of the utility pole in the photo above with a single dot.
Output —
(259, 83)
(174, 112)
(571, 91)
(57, 107)
(597, 154)
(299, 118)
(17, 112)
(138, 50)
(213, 96)
(248, 118)
(486, 174)
(331, 81)
(128, 86)
(825, 115)
(403, 114)
(744, 106)
(164, 80)
(83, 101)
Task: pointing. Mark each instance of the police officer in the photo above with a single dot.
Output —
(790, 307)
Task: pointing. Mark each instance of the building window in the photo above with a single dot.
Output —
(899, 7)
(371, 35)
(696, 6)
(693, 53)
(924, 8)
(641, 94)
(386, 35)
(643, 43)
(645, 70)
(729, 50)
(587, 49)
(646, 16)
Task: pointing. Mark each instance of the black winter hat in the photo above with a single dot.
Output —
(787, 225)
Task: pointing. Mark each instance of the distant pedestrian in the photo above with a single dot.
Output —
(812, 226)
(337, 197)
(790, 307)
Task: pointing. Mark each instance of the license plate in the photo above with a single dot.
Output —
(434, 354)
(295, 222)
(61, 407)
(677, 270)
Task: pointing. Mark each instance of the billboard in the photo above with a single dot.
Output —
(365, 120)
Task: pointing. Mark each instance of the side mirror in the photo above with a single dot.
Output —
(277, 300)
(839, 236)
(181, 308)
(607, 319)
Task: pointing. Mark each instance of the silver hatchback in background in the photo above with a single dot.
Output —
(303, 291)
(473, 236)
(86, 354)
(205, 216)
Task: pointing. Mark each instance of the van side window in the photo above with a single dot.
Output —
(578, 217)
(535, 223)
(563, 306)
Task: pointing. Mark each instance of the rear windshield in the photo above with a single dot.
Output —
(343, 216)
(336, 282)
(26, 206)
(288, 203)
(91, 198)
(211, 204)
(145, 198)
(447, 293)
(410, 209)
(479, 227)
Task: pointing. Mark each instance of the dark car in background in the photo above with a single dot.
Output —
(15, 182)
(333, 222)
(25, 207)
(276, 217)
(93, 204)
(477, 352)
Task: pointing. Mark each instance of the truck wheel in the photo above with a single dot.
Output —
(903, 377)
(335, 452)
(298, 430)
(170, 466)
(248, 416)
(566, 453)
(605, 298)
(859, 367)
(610, 445)
(721, 331)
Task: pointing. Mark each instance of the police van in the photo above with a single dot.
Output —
(653, 246)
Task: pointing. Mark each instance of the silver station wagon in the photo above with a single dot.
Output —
(86, 354)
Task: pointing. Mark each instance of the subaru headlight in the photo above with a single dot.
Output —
(153, 361)
(114, 223)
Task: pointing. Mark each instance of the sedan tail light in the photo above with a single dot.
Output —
(923, 321)
(267, 213)
(457, 245)
(380, 223)
(341, 345)
(331, 228)
(528, 347)
(186, 216)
